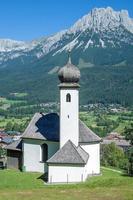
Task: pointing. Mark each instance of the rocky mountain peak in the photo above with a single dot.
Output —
(101, 19)
(100, 28)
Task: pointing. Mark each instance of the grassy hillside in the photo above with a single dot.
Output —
(110, 186)
(16, 113)
(102, 122)
(107, 84)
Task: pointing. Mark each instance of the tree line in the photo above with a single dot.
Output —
(112, 155)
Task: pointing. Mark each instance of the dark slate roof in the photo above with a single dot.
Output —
(43, 127)
(69, 154)
(16, 145)
(46, 127)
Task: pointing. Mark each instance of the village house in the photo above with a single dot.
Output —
(118, 139)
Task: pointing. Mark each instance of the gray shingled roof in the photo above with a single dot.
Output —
(122, 143)
(69, 154)
(46, 127)
(86, 135)
(43, 127)
(16, 145)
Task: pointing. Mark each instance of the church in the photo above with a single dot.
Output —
(61, 145)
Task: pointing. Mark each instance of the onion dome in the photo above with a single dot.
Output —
(69, 73)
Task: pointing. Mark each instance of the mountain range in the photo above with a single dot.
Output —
(101, 45)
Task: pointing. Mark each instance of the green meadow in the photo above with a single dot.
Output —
(111, 185)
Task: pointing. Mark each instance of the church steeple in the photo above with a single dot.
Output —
(69, 76)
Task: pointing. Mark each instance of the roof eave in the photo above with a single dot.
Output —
(40, 139)
(65, 163)
(91, 142)
(14, 149)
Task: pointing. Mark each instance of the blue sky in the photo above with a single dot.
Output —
(30, 19)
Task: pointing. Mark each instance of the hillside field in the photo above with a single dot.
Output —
(103, 122)
(15, 185)
(101, 118)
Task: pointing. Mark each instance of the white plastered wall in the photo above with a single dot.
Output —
(66, 173)
(93, 164)
(69, 116)
(32, 154)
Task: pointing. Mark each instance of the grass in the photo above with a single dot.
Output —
(22, 94)
(8, 101)
(4, 121)
(28, 186)
(122, 126)
(90, 119)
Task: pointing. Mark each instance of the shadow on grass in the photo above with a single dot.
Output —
(44, 177)
(127, 175)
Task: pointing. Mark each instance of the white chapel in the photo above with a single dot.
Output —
(62, 146)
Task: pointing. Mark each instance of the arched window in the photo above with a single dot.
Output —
(68, 98)
(44, 152)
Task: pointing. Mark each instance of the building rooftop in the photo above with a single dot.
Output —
(7, 140)
(43, 126)
(121, 143)
(86, 135)
(16, 145)
(46, 127)
(69, 154)
(69, 73)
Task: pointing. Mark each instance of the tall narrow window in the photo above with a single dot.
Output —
(44, 152)
(68, 98)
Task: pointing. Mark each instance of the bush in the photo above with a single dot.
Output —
(2, 152)
(130, 159)
(111, 155)
(128, 132)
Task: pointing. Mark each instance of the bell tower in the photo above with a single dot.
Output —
(69, 76)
